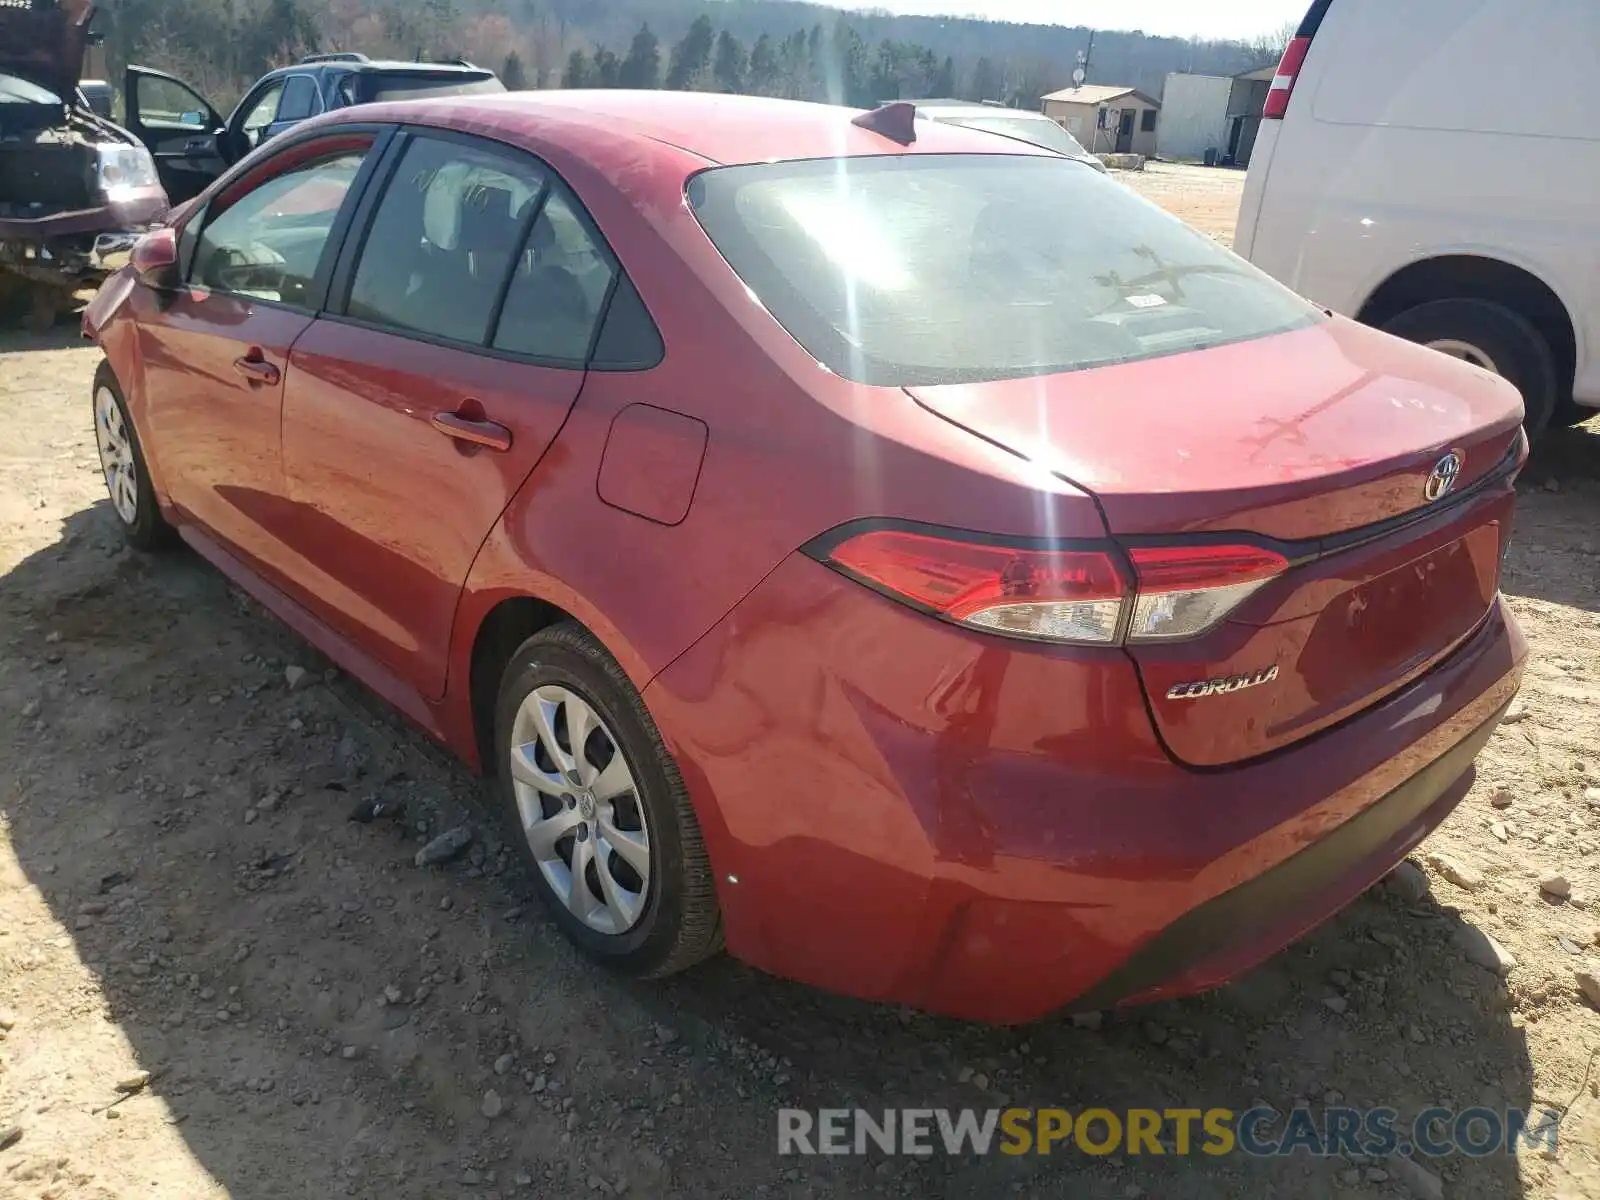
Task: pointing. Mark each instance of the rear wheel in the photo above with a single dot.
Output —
(122, 463)
(595, 805)
(1495, 338)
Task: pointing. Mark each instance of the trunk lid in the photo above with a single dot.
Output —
(45, 45)
(1320, 444)
(1301, 435)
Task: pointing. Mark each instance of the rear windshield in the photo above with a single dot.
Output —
(1042, 132)
(928, 269)
(410, 87)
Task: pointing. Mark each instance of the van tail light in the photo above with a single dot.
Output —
(1080, 596)
(1294, 57)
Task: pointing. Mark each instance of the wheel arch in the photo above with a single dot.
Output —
(1480, 277)
(509, 623)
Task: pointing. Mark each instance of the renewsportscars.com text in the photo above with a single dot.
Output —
(1257, 1132)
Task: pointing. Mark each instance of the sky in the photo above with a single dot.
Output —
(1181, 18)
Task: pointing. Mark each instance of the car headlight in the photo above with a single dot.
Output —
(123, 170)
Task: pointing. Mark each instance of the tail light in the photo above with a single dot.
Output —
(1076, 596)
(1294, 57)
(1186, 590)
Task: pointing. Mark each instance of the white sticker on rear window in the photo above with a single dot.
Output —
(1147, 301)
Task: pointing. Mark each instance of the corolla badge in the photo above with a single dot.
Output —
(1443, 476)
(1219, 687)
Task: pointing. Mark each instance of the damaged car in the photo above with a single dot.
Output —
(76, 190)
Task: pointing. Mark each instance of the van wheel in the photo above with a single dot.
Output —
(1493, 337)
(1569, 413)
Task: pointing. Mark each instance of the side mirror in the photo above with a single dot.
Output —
(155, 258)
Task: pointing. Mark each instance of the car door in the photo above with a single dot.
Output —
(256, 263)
(179, 126)
(456, 342)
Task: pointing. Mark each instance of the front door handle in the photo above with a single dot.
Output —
(477, 432)
(256, 370)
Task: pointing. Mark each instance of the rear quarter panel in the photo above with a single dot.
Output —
(791, 450)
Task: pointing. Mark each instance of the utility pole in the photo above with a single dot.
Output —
(1085, 59)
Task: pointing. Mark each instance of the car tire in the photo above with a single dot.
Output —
(1493, 337)
(1569, 413)
(122, 465)
(643, 923)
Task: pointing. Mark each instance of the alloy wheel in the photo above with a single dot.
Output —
(580, 810)
(116, 456)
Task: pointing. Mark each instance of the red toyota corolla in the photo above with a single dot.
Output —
(891, 551)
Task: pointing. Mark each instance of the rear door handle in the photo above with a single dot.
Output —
(257, 371)
(490, 434)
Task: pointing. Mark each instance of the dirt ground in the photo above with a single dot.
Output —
(1206, 197)
(181, 893)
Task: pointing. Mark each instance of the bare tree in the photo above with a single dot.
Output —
(1268, 48)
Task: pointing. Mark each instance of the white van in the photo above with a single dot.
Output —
(1432, 167)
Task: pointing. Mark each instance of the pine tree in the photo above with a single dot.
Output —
(691, 58)
(987, 83)
(512, 74)
(642, 67)
(577, 75)
(732, 64)
(847, 69)
(607, 70)
(763, 78)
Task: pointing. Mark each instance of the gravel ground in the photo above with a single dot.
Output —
(1206, 197)
(182, 894)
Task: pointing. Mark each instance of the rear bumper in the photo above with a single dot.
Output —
(905, 812)
(1239, 928)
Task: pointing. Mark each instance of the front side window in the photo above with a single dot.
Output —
(933, 269)
(443, 240)
(168, 102)
(270, 242)
(263, 111)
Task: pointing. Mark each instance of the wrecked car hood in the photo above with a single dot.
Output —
(44, 43)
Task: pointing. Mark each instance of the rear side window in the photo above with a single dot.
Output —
(300, 99)
(443, 240)
(559, 289)
(932, 269)
(377, 87)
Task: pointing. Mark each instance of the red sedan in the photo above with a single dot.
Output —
(893, 552)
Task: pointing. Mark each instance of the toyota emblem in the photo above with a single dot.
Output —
(1443, 477)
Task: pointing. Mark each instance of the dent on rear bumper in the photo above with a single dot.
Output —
(903, 811)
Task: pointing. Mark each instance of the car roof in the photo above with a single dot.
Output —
(385, 66)
(721, 129)
(977, 110)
